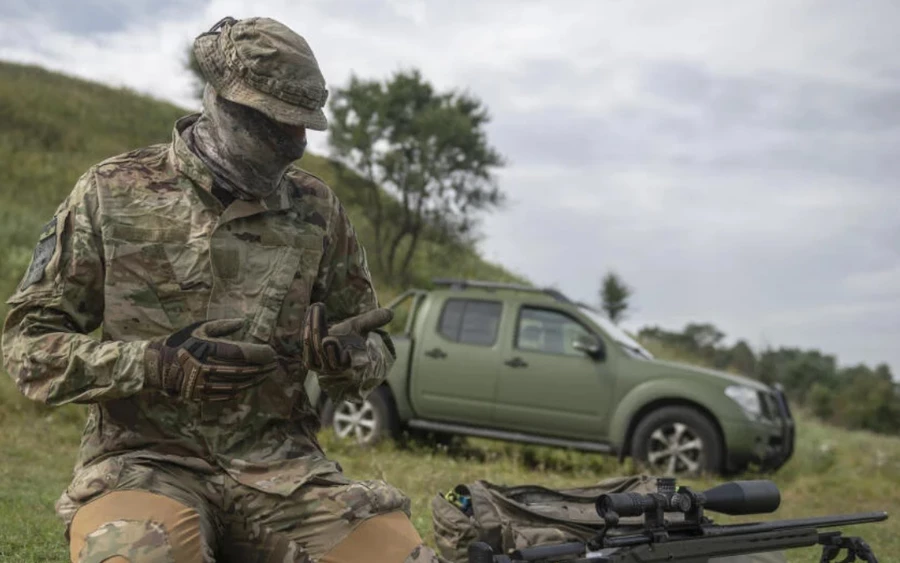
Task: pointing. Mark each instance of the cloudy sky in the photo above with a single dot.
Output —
(735, 162)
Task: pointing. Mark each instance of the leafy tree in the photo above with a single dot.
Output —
(428, 150)
(883, 372)
(866, 401)
(821, 401)
(704, 335)
(767, 367)
(614, 295)
(742, 358)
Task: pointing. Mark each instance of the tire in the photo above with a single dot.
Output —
(367, 423)
(698, 446)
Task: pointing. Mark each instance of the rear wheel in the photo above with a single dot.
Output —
(677, 441)
(367, 422)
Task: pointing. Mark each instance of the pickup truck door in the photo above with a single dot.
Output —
(548, 387)
(456, 361)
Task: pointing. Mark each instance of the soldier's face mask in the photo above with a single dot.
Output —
(246, 151)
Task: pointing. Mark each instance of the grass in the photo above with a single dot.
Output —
(833, 472)
(37, 452)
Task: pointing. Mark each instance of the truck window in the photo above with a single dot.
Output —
(470, 321)
(550, 332)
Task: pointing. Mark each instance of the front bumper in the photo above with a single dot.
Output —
(767, 442)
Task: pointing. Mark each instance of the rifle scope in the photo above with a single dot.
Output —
(733, 498)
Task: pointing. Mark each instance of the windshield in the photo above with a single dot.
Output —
(628, 343)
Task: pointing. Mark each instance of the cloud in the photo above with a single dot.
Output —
(96, 16)
(877, 283)
(735, 162)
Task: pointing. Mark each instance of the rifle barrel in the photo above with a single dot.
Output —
(677, 533)
(815, 522)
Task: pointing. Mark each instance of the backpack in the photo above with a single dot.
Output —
(516, 517)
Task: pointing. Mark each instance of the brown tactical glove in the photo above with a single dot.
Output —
(197, 363)
(328, 350)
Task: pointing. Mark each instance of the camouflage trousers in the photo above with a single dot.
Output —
(128, 511)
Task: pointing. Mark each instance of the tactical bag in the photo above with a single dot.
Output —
(515, 517)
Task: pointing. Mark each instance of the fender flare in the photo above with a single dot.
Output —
(655, 394)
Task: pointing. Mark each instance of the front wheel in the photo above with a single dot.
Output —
(677, 441)
(367, 422)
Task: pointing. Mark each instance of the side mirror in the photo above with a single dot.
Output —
(590, 345)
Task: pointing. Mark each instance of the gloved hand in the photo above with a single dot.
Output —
(329, 350)
(197, 363)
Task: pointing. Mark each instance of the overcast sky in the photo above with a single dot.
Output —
(735, 162)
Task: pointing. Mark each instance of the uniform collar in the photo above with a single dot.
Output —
(190, 165)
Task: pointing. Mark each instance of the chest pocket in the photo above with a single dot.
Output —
(148, 286)
(286, 297)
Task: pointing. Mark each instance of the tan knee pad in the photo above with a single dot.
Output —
(131, 526)
(386, 538)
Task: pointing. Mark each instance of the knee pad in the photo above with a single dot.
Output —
(386, 538)
(133, 526)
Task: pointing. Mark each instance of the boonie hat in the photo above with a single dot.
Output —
(261, 63)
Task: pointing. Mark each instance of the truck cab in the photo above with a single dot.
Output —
(525, 364)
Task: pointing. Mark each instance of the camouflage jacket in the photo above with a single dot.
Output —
(142, 248)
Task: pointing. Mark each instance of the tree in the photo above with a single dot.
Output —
(821, 400)
(614, 295)
(742, 358)
(705, 336)
(883, 372)
(428, 151)
(866, 401)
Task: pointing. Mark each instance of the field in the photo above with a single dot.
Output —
(834, 471)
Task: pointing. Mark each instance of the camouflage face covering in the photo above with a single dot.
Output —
(246, 151)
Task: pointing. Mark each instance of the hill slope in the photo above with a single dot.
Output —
(53, 127)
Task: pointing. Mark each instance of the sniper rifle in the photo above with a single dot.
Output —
(694, 538)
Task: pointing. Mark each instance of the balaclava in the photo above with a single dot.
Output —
(246, 151)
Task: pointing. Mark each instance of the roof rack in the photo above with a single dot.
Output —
(463, 284)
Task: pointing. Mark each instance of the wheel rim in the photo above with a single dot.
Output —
(355, 420)
(674, 449)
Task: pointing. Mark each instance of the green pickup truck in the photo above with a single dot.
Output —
(516, 363)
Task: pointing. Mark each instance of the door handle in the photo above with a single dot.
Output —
(436, 353)
(516, 362)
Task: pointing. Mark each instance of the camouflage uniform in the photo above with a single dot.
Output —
(142, 248)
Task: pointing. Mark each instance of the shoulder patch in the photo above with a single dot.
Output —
(44, 250)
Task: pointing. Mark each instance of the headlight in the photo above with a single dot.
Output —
(747, 398)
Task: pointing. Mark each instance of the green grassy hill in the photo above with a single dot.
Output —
(53, 127)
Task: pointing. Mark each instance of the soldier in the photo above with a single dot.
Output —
(221, 274)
